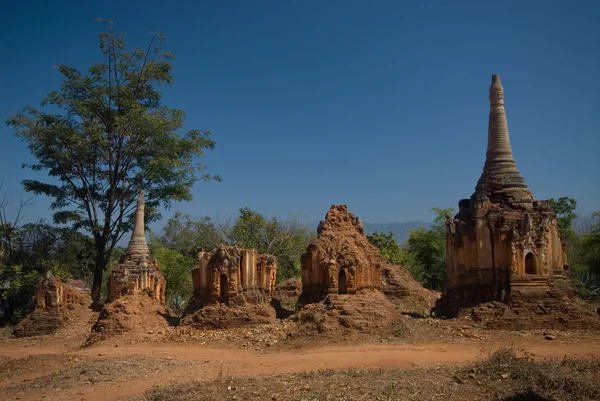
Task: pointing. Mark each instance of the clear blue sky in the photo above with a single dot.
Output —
(380, 105)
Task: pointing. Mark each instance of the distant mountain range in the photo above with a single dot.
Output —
(400, 230)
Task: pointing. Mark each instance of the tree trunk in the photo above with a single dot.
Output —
(99, 268)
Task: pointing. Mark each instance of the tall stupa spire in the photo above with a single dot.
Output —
(500, 171)
(137, 244)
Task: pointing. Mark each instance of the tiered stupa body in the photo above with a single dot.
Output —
(502, 244)
(137, 270)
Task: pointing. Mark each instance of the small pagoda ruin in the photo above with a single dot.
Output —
(56, 303)
(348, 286)
(231, 275)
(503, 245)
(54, 292)
(341, 260)
(137, 270)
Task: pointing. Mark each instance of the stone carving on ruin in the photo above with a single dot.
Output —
(352, 276)
(137, 270)
(501, 241)
(513, 253)
(233, 276)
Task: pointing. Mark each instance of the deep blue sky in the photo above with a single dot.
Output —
(381, 105)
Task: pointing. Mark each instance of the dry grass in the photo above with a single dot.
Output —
(371, 384)
(6, 331)
(506, 374)
(503, 376)
(105, 370)
(17, 368)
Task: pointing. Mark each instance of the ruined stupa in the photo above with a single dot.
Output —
(137, 270)
(341, 260)
(233, 287)
(232, 275)
(348, 286)
(503, 245)
(56, 303)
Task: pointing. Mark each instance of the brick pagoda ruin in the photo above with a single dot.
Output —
(503, 245)
(347, 285)
(55, 303)
(233, 275)
(137, 270)
(336, 262)
(54, 292)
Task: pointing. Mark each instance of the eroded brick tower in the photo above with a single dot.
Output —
(502, 245)
(137, 270)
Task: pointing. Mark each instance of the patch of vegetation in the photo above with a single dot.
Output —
(289, 303)
(6, 331)
(106, 370)
(507, 375)
(502, 376)
(399, 331)
(423, 254)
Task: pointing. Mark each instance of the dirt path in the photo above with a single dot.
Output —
(230, 362)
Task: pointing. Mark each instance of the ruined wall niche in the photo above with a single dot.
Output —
(530, 264)
(232, 275)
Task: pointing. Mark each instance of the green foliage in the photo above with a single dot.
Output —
(388, 247)
(17, 286)
(399, 331)
(428, 250)
(584, 259)
(35, 249)
(590, 245)
(395, 254)
(111, 138)
(423, 254)
(286, 240)
(565, 211)
(186, 234)
(43, 247)
(176, 269)
(587, 283)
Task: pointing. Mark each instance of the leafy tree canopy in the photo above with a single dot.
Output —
(176, 269)
(186, 234)
(111, 138)
(428, 248)
(565, 210)
(286, 240)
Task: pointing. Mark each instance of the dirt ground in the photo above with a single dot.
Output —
(269, 362)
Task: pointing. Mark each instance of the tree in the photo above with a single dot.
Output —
(111, 138)
(8, 226)
(186, 234)
(396, 254)
(176, 269)
(584, 258)
(38, 248)
(388, 247)
(428, 248)
(286, 240)
(565, 211)
(590, 245)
